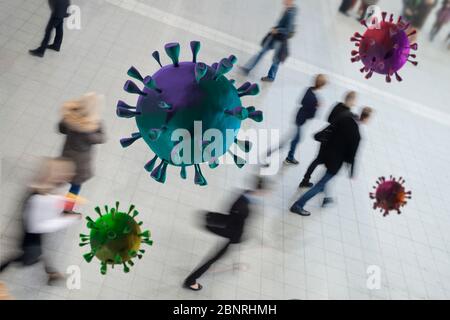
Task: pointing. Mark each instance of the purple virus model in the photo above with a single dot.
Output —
(175, 100)
(384, 49)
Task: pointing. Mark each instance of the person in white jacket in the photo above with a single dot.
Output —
(42, 211)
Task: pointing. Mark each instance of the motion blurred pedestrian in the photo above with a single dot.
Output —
(442, 18)
(230, 227)
(276, 39)
(42, 214)
(82, 126)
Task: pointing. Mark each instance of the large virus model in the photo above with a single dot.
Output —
(385, 48)
(390, 195)
(115, 238)
(177, 98)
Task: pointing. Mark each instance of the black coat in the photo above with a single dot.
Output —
(309, 107)
(343, 145)
(230, 226)
(59, 8)
(338, 111)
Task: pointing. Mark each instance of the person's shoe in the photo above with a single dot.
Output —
(37, 53)
(244, 71)
(327, 202)
(54, 47)
(267, 79)
(292, 161)
(306, 184)
(300, 211)
(194, 287)
(71, 213)
(55, 278)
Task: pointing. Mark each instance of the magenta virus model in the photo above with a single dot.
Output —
(390, 195)
(385, 48)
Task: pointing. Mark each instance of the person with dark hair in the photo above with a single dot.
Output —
(309, 104)
(276, 39)
(230, 227)
(56, 21)
(346, 6)
(342, 109)
(442, 18)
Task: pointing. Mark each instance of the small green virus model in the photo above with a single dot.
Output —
(115, 238)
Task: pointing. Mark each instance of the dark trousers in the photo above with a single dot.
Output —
(294, 143)
(346, 5)
(192, 278)
(58, 25)
(311, 168)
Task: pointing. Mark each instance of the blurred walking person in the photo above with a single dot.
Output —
(277, 40)
(342, 109)
(343, 138)
(365, 4)
(230, 227)
(442, 18)
(42, 214)
(83, 129)
(56, 21)
(416, 13)
(309, 103)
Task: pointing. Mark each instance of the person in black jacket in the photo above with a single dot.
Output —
(341, 148)
(309, 103)
(229, 226)
(276, 39)
(56, 21)
(342, 109)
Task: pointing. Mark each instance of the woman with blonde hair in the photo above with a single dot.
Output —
(42, 213)
(82, 126)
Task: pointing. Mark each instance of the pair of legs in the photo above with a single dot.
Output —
(298, 207)
(275, 62)
(58, 25)
(294, 143)
(74, 191)
(435, 30)
(191, 280)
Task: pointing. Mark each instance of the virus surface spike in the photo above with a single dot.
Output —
(156, 56)
(244, 87)
(103, 268)
(131, 208)
(214, 65)
(131, 87)
(245, 146)
(237, 160)
(195, 48)
(251, 109)
(125, 268)
(134, 73)
(239, 112)
(159, 173)
(253, 90)
(414, 46)
(256, 116)
(413, 62)
(126, 142)
(232, 58)
(124, 105)
(151, 164)
(126, 112)
(151, 84)
(88, 256)
(183, 173)
(397, 76)
(173, 51)
(224, 67)
(199, 178)
(200, 71)
(98, 210)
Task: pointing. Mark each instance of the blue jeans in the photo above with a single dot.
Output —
(294, 143)
(318, 188)
(275, 62)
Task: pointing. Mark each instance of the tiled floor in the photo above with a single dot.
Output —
(325, 256)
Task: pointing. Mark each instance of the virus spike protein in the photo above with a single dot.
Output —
(177, 96)
(384, 50)
(115, 238)
(390, 194)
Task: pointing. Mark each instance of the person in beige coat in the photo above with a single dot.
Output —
(83, 129)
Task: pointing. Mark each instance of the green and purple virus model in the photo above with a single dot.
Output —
(115, 238)
(178, 97)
